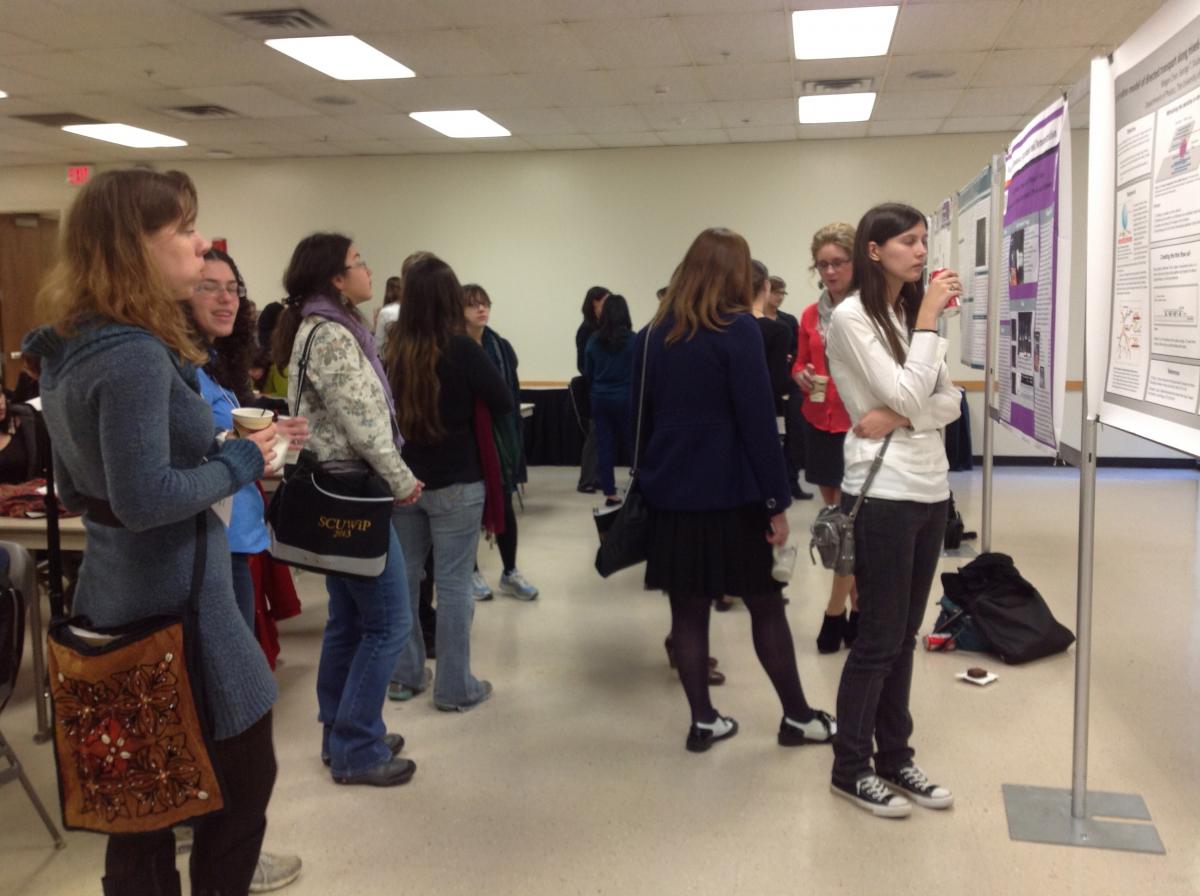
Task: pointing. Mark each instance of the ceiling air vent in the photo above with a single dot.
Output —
(276, 21)
(203, 112)
(57, 119)
(836, 85)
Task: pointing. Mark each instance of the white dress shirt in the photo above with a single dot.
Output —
(867, 377)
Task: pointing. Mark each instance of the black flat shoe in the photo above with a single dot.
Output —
(833, 629)
(701, 738)
(820, 729)
(800, 494)
(394, 742)
(387, 774)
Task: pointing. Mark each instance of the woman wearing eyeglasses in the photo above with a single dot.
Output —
(348, 402)
(826, 421)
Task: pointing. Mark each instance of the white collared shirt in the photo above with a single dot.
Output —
(867, 377)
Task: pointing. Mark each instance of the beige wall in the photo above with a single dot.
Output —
(537, 229)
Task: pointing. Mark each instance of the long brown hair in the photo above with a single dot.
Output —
(877, 226)
(104, 265)
(316, 260)
(431, 313)
(711, 284)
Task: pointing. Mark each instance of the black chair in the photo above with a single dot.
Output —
(12, 642)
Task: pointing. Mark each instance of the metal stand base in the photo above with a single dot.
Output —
(964, 550)
(1043, 815)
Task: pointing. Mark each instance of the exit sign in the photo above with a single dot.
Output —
(78, 175)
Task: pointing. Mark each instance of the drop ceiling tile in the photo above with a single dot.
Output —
(16, 105)
(252, 101)
(12, 43)
(770, 134)
(73, 69)
(307, 149)
(1061, 23)
(534, 122)
(905, 127)
(959, 69)
(591, 10)
(437, 145)
(982, 125)
(606, 119)
(579, 88)
(1018, 68)
(831, 131)
(997, 101)
(619, 139)
(233, 61)
(115, 24)
(915, 104)
(478, 92)
(325, 127)
(216, 133)
(23, 141)
(536, 48)
(738, 37)
(473, 14)
(825, 69)
(1125, 19)
(560, 141)
(497, 144)
(365, 16)
(370, 147)
(682, 116)
(693, 137)
(757, 113)
(957, 26)
(750, 81)
(333, 98)
(681, 84)
(442, 53)
(248, 151)
(715, 7)
(631, 43)
(398, 128)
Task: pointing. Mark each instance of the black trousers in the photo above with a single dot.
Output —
(793, 438)
(897, 545)
(226, 846)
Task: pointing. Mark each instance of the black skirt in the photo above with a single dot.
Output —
(709, 553)
(824, 460)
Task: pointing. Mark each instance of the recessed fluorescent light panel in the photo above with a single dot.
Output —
(345, 57)
(124, 134)
(2, 94)
(843, 33)
(464, 123)
(832, 107)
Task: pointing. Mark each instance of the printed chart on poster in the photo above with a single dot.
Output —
(1031, 367)
(1154, 335)
(940, 237)
(974, 202)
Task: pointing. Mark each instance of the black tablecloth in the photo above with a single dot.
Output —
(552, 435)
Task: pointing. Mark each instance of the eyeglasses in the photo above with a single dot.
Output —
(479, 304)
(835, 266)
(361, 263)
(213, 288)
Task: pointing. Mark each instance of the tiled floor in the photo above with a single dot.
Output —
(573, 778)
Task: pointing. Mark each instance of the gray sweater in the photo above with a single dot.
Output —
(128, 426)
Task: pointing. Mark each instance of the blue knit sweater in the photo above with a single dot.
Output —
(128, 426)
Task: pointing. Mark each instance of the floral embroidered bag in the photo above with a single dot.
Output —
(129, 737)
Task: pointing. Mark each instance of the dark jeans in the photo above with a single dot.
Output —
(897, 547)
(225, 851)
(610, 416)
(587, 459)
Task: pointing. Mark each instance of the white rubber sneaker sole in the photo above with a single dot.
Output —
(898, 808)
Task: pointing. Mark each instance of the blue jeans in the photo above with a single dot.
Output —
(243, 587)
(611, 416)
(448, 519)
(369, 622)
(897, 545)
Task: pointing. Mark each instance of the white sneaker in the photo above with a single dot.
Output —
(871, 794)
(480, 589)
(919, 788)
(516, 585)
(274, 872)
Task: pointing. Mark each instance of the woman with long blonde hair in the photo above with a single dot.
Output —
(135, 452)
(712, 471)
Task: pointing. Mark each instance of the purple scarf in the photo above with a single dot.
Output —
(337, 311)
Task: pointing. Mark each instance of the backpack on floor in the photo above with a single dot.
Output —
(1007, 611)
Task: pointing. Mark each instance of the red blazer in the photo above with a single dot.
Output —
(828, 415)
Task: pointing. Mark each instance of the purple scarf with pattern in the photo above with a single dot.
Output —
(337, 311)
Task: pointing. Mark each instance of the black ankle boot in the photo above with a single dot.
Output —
(851, 628)
(833, 629)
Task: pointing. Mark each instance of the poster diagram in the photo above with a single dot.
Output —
(974, 209)
(1033, 308)
(1154, 341)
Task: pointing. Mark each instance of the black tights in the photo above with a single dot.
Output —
(772, 643)
(507, 540)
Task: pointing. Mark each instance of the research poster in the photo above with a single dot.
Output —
(974, 203)
(1031, 366)
(1154, 332)
(940, 237)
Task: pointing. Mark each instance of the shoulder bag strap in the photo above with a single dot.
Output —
(875, 465)
(302, 372)
(637, 444)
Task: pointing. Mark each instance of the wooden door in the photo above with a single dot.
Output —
(28, 243)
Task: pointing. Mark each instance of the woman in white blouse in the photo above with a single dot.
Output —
(889, 365)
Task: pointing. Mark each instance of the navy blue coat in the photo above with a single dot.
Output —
(709, 439)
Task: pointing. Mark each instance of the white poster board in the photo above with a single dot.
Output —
(1148, 317)
(974, 204)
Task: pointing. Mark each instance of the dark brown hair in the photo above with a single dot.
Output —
(709, 287)
(879, 225)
